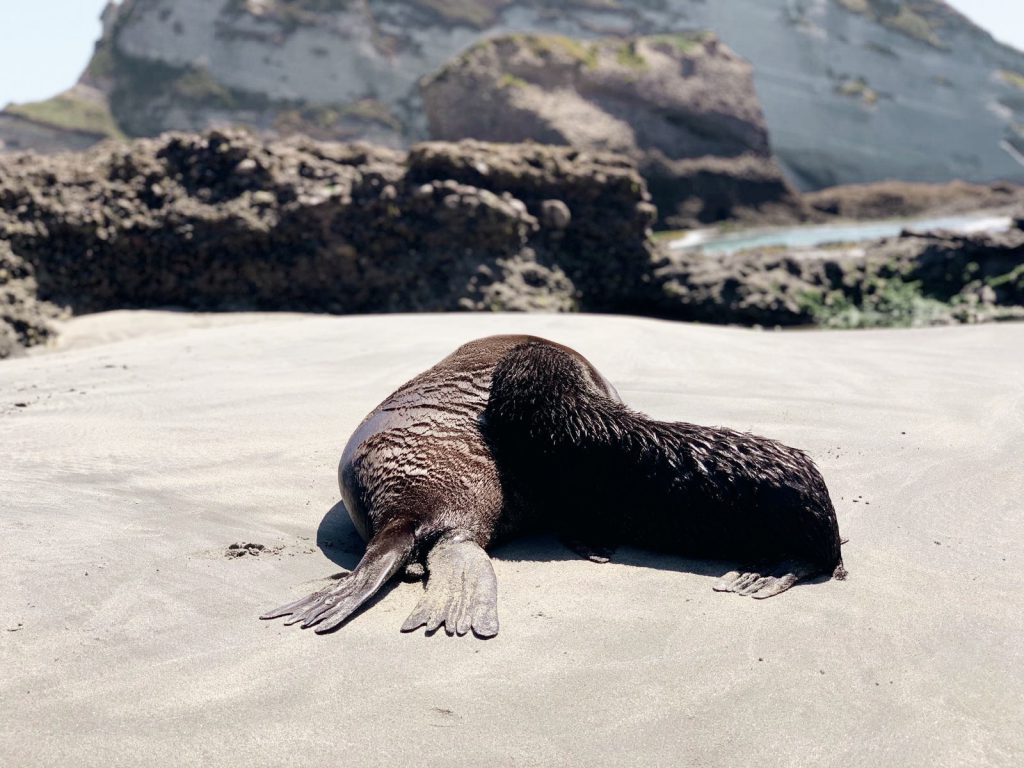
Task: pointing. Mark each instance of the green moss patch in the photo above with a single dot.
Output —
(372, 111)
(102, 64)
(858, 88)
(1016, 79)
(559, 46)
(628, 56)
(884, 303)
(899, 17)
(294, 118)
(511, 81)
(197, 85)
(1012, 279)
(683, 42)
(70, 112)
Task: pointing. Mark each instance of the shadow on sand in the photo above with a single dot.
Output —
(342, 545)
(338, 539)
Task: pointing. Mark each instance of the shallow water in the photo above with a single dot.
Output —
(714, 241)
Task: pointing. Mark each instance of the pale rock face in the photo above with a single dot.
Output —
(682, 107)
(564, 114)
(852, 90)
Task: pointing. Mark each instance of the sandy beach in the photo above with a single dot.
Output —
(137, 453)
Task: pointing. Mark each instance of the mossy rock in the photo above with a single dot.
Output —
(69, 111)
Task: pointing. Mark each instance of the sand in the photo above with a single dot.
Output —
(132, 460)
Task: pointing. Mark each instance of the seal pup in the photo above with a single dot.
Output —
(510, 433)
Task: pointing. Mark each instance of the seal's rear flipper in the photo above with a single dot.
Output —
(769, 583)
(461, 591)
(386, 553)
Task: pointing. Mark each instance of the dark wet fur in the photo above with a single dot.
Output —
(511, 433)
(606, 474)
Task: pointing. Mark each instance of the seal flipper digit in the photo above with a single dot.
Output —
(461, 590)
(386, 553)
(759, 585)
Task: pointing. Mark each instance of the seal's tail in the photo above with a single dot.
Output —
(388, 550)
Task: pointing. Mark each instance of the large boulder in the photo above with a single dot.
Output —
(223, 220)
(683, 107)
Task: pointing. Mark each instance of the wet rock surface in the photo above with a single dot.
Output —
(933, 279)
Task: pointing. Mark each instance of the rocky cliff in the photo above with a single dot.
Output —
(853, 90)
(683, 107)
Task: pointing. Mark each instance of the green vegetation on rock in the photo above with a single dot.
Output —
(1016, 79)
(885, 303)
(142, 80)
(70, 112)
(143, 88)
(559, 45)
(858, 88)
(331, 119)
(628, 56)
(372, 111)
(511, 81)
(545, 46)
(196, 84)
(897, 16)
(683, 42)
(102, 64)
(1013, 279)
(913, 25)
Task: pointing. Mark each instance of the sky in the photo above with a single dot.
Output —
(45, 44)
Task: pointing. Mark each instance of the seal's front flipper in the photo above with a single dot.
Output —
(461, 591)
(386, 553)
(766, 583)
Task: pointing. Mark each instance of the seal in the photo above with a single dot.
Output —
(515, 433)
